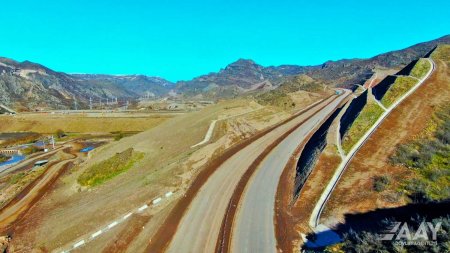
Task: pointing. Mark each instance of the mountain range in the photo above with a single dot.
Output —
(28, 86)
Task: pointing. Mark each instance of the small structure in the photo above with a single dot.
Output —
(41, 163)
(10, 152)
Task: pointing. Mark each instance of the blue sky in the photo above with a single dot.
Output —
(179, 40)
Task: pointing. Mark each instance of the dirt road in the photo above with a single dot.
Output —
(31, 194)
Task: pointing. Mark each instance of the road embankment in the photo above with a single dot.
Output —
(311, 152)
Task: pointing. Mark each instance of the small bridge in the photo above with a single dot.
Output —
(10, 152)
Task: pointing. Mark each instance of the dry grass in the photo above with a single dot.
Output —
(420, 68)
(48, 123)
(167, 147)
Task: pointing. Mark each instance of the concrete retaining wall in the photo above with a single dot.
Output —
(311, 152)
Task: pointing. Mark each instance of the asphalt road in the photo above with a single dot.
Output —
(199, 228)
(253, 227)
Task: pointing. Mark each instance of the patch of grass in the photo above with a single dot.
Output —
(16, 178)
(49, 123)
(19, 138)
(118, 136)
(401, 85)
(105, 170)
(442, 52)
(30, 150)
(276, 98)
(368, 116)
(420, 69)
(429, 158)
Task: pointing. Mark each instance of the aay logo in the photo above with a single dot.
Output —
(402, 234)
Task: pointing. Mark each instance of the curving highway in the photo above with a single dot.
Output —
(199, 228)
(253, 227)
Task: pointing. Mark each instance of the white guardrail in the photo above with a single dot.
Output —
(87, 238)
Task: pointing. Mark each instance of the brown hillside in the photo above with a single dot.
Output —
(354, 192)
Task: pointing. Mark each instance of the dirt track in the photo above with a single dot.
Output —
(21, 203)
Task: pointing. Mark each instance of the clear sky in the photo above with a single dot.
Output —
(181, 39)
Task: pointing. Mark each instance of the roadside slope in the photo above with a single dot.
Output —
(355, 192)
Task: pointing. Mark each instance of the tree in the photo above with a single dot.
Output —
(60, 133)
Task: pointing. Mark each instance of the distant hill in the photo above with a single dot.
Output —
(238, 77)
(246, 75)
(354, 71)
(27, 86)
(134, 85)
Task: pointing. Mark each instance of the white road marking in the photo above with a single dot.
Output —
(142, 208)
(78, 244)
(127, 215)
(156, 201)
(96, 234)
(113, 224)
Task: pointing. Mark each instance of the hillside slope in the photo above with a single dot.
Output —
(359, 190)
(28, 86)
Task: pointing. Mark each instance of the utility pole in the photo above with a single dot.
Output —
(75, 103)
(90, 103)
(53, 142)
(128, 103)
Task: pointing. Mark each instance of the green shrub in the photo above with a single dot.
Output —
(118, 136)
(429, 158)
(3, 158)
(16, 178)
(369, 241)
(105, 170)
(30, 150)
(60, 133)
(380, 183)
